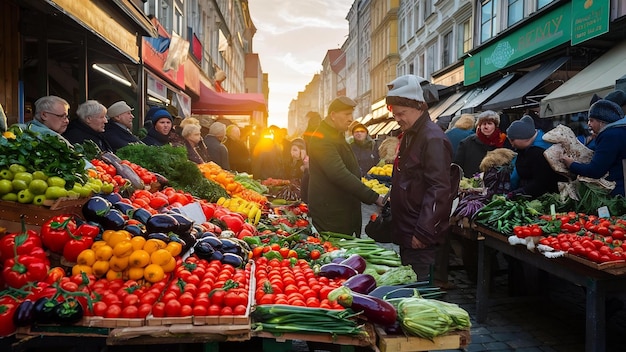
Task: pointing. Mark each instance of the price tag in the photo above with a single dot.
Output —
(603, 212)
(194, 211)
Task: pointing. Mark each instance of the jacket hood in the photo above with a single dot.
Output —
(497, 157)
(465, 122)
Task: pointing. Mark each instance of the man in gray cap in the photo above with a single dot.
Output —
(118, 131)
(335, 188)
(423, 183)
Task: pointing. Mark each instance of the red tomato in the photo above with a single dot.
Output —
(185, 310)
(217, 297)
(131, 300)
(226, 311)
(113, 311)
(130, 312)
(200, 311)
(172, 308)
(158, 310)
(148, 298)
(214, 309)
(240, 310)
(144, 310)
(186, 299)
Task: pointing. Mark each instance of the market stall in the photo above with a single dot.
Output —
(144, 247)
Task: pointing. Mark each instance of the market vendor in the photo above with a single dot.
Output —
(607, 123)
(51, 117)
(536, 176)
(89, 125)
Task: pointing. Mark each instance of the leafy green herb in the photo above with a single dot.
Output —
(172, 162)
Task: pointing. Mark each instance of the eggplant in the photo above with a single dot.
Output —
(336, 271)
(134, 229)
(113, 197)
(217, 255)
(96, 208)
(43, 310)
(376, 310)
(161, 223)
(204, 250)
(184, 223)
(232, 259)
(230, 246)
(361, 283)
(141, 215)
(338, 260)
(215, 242)
(125, 208)
(162, 180)
(159, 236)
(207, 234)
(356, 262)
(69, 311)
(24, 314)
(113, 220)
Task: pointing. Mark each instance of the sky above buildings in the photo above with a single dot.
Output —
(292, 39)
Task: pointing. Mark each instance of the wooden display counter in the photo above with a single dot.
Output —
(596, 282)
(398, 343)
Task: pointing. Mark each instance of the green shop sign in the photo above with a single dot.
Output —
(590, 18)
(547, 31)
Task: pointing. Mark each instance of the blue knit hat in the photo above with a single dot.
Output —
(523, 128)
(606, 111)
(160, 114)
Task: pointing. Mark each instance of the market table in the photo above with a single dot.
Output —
(596, 282)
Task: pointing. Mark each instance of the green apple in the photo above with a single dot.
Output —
(83, 191)
(38, 187)
(25, 196)
(15, 168)
(56, 181)
(19, 185)
(10, 197)
(26, 176)
(55, 192)
(6, 174)
(5, 186)
(40, 175)
(39, 200)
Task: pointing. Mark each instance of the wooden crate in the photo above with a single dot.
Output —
(37, 215)
(101, 322)
(617, 267)
(178, 333)
(401, 343)
(367, 338)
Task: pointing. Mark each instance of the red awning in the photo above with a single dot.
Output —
(214, 103)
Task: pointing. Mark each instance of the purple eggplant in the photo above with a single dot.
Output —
(376, 310)
(356, 262)
(337, 271)
(361, 283)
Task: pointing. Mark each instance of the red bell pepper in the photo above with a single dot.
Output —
(56, 232)
(23, 269)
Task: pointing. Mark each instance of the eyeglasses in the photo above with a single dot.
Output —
(64, 116)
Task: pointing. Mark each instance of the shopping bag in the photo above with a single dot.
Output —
(380, 228)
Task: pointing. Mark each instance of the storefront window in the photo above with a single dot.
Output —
(465, 38)
(430, 61)
(488, 13)
(516, 11)
(542, 3)
(446, 54)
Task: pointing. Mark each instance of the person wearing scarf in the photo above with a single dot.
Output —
(473, 149)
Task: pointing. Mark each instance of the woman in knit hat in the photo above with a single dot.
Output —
(364, 148)
(607, 123)
(473, 149)
(158, 133)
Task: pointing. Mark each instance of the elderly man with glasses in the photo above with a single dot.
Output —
(50, 117)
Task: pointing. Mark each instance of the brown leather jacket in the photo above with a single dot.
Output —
(421, 193)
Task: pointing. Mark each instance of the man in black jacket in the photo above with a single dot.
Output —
(118, 131)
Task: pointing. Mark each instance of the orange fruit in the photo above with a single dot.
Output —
(123, 248)
(113, 275)
(104, 253)
(138, 242)
(118, 263)
(153, 244)
(79, 268)
(174, 248)
(135, 273)
(117, 237)
(86, 257)
(100, 268)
